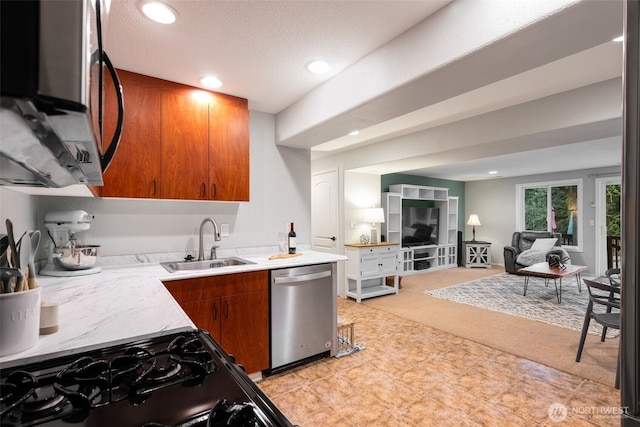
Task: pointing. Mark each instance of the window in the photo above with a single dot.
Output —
(552, 206)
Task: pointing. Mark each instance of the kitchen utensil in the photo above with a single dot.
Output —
(4, 245)
(282, 256)
(9, 277)
(11, 258)
(18, 284)
(25, 255)
(5, 259)
(35, 242)
(4, 242)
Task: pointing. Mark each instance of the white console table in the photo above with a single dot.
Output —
(368, 267)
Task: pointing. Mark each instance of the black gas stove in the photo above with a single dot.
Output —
(181, 379)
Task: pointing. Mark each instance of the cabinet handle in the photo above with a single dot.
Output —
(215, 311)
(203, 194)
(155, 192)
(227, 308)
(214, 190)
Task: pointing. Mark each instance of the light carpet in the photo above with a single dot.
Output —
(504, 293)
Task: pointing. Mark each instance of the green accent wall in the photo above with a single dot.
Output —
(456, 188)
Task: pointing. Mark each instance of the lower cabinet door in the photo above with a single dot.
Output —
(389, 263)
(206, 315)
(369, 265)
(245, 329)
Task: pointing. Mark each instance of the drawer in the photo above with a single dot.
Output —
(378, 250)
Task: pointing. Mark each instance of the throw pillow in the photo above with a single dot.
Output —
(544, 244)
(531, 256)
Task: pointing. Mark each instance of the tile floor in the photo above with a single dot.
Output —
(413, 375)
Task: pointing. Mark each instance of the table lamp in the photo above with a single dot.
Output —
(473, 221)
(374, 216)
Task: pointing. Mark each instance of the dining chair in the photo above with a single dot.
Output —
(605, 296)
(613, 274)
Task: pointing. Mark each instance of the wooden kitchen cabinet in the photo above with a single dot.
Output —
(229, 150)
(234, 308)
(178, 142)
(206, 315)
(135, 169)
(184, 147)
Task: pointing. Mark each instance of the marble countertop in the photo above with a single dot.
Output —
(127, 300)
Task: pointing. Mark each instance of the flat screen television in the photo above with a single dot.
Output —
(420, 226)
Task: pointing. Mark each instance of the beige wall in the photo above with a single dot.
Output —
(495, 201)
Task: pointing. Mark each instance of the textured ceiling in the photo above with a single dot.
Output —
(259, 49)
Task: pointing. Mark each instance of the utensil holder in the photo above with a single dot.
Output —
(19, 321)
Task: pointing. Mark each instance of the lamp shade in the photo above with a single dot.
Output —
(374, 215)
(473, 220)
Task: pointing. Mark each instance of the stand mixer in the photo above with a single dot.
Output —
(66, 256)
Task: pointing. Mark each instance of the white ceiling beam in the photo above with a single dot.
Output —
(464, 46)
(591, 112)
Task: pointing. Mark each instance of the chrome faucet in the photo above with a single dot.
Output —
(216, 236)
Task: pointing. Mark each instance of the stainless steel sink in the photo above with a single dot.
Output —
(173, 266)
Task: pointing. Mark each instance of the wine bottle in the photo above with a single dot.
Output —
(292, 240)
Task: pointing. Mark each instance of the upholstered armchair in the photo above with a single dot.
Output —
(522, 241)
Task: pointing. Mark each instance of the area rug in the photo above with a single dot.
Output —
(504, 293)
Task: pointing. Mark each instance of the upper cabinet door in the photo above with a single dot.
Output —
(135, 169)
(229, 149)
(177, 143)
(184, 148)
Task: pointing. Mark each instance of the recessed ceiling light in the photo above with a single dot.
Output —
(211, 82)
(493, 172)
(354, 133)
(318, 67)
(158, 11)
(618, 39)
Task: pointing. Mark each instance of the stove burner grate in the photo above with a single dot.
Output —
(94, 381)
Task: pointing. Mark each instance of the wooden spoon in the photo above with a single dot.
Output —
(12, 258)
(25, 255)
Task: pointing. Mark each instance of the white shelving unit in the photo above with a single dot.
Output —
(452, 221)
(392, 227)
(419, 259)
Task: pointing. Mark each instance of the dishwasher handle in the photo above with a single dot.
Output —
(302, 278)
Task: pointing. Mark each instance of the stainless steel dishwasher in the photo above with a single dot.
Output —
(303, 314)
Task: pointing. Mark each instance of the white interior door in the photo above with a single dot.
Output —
(324, 211)
(601, 221)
